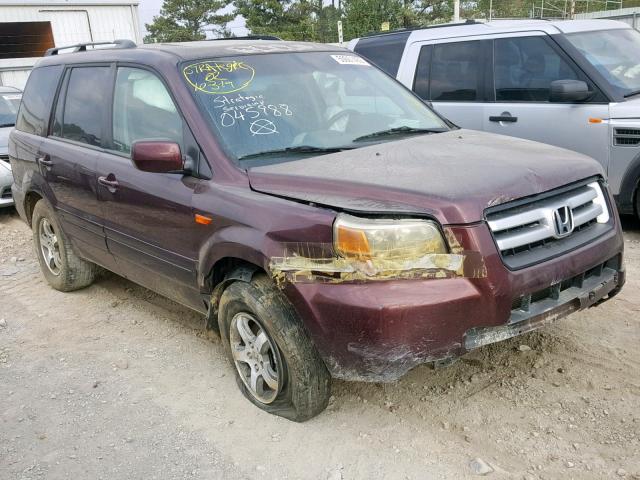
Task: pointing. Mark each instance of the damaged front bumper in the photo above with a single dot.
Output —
(533, 311)
(379, 330)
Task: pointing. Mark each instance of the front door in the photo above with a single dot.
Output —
(148, 218)
(524, 67)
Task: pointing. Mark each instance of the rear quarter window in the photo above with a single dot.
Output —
(385, 51)
(37, 100)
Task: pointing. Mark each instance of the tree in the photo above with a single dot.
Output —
(184, 20)
(365, 16)
(428, 12)
(287, 19)
(326, 29)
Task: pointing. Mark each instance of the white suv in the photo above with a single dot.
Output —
(574, 84)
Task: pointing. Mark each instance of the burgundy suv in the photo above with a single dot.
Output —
(319, 215)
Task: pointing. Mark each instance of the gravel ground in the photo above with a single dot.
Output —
(117, 382)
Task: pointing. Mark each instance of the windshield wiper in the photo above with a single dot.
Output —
(398, 131)
(298, 149)
(631, 93)
(3, 125)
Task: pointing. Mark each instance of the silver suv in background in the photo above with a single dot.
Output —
(9, 103)
(574, 84)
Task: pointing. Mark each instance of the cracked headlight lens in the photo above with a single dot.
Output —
(386, 239)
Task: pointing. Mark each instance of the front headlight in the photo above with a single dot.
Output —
(386, 239)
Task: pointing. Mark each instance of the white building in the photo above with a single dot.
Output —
(28, 28)
(627, 15)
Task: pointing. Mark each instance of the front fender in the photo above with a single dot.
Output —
(240, 242)
(629, 185)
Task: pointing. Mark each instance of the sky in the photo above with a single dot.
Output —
(148, 8)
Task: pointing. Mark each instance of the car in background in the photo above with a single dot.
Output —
(574, 84)
(9, 104)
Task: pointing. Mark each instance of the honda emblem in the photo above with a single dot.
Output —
(563, 221)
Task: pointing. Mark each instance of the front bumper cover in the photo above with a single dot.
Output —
(603, 283)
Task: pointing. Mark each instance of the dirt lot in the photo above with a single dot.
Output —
(116, 382)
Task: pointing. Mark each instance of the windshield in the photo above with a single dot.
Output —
(279, 107)
(615, 53)
(9, 103)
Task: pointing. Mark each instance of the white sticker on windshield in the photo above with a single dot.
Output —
(14, 96)
(350, 60)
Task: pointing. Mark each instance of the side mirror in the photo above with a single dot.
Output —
(157, 156)
(569, 91)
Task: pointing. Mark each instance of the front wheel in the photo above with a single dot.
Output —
(277, 367)
(60, 265)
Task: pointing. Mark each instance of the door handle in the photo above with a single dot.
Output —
(45, 160)
(112, 185)
(503, 118)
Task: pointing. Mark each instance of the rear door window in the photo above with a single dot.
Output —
(35, 108)
(524, 68)
(85, 105)
(143, 110)
(456, 72)
(384, 51)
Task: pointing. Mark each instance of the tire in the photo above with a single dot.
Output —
(60, 265)
(285, 353)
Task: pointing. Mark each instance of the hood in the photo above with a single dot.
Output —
(627, 109)
(451, 176)
(4, 139)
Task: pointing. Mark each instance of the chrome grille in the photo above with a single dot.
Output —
(626, 137)
(547, 225)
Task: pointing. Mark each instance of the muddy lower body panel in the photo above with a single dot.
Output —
(379, 331)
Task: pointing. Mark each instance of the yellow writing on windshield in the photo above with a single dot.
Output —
(219, 77)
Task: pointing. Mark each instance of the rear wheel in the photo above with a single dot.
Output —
(60, 265)
(277, 367)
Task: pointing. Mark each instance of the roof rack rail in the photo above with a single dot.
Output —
(248, 37)
(82, 47)
(427, 27)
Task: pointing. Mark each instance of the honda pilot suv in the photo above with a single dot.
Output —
(315, 211)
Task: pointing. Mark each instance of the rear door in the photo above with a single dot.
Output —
(524, 67)
(32, 123)
(452, 74)
(149, 222)
(69, 154)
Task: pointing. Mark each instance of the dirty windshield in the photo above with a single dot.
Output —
(280, 107)
(616, 55)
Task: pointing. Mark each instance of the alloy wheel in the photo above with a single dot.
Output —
(50, 247)
(256, 357)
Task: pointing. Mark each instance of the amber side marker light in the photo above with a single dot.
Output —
(595, 120)
(351, 242)
(201, 219)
